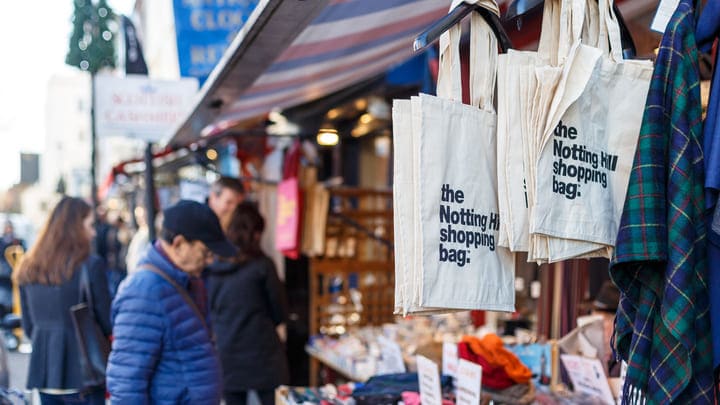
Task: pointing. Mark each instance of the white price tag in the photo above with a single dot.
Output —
(450, 359)
(391, 359)
(468, 383)
(588, 376)
(429, 381)
(665, 10)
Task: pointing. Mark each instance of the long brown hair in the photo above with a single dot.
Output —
(246, 226)
(61, 246)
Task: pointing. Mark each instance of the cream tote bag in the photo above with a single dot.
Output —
(446, 187)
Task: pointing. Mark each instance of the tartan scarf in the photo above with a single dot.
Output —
(662, 324)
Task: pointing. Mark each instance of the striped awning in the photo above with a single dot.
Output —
(350, 41)
(347, 42)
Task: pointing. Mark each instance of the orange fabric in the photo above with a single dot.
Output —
(491, 348)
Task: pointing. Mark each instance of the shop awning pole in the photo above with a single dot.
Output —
(150, 192)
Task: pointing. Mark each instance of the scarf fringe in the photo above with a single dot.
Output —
(633, 396)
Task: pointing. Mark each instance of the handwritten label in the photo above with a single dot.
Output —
(391, 357)
(450, 359)
(665, 10)
(429, 381)
(588, 377)
(469, 378)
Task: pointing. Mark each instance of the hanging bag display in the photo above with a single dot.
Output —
(518, 87)
(446, 201)
(589, 140)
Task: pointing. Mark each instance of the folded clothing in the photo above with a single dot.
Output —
(388, 388)
(502, 364)
(493, 376)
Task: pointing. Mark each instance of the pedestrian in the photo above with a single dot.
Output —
(49, 280)
(225, 194)
(163, 350)
(247, 303)
(8, 242)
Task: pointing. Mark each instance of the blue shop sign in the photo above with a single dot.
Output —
(204, 29)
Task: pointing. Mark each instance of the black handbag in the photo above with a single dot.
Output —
(93, 345)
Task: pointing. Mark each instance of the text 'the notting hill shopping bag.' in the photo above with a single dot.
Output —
(445, 190)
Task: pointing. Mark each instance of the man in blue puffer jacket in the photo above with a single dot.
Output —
(163, 351)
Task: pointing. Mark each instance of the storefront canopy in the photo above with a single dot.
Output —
(334, 44)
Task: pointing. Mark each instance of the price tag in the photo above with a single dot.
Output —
(664, 13)
(391, 359)
(468, 383)
(450, 359)
(429, 381)
(587, 376)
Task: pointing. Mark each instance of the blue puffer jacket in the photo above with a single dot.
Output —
(161, 353)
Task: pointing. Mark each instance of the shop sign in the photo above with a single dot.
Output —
(135, 106)
(204, 29)
(469, 377)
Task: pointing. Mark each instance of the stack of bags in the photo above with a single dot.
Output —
(569, 117)
(445, 188)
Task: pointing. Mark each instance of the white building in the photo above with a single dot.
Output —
(157, 36)
(67, 145)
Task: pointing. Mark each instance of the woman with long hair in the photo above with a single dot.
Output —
(247, 303)
(49, 280)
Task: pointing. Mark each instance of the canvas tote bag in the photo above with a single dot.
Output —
(455, 262)
(588, 144)
(520, 103)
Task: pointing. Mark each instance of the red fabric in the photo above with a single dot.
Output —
(493, 377)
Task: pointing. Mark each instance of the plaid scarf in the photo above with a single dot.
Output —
(662, 324)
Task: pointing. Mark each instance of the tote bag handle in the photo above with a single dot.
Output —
(483, 61)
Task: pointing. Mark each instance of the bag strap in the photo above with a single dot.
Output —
(183, 293)
(85, 293)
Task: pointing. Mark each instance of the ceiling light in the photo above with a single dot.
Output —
(334, 113)
(327, 137)
(366, 118)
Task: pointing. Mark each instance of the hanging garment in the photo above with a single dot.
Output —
(660, 260)
(708, 29)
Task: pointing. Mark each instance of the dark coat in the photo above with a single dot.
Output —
(247, 302)
(161, 352)
(54, 362)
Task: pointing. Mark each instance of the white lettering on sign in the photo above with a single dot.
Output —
(211, 20)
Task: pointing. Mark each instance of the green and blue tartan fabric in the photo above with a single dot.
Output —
(662, 327)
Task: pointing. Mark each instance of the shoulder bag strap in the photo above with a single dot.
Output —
(85, 293)
(183, 293)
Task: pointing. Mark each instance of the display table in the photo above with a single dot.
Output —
(337, 364)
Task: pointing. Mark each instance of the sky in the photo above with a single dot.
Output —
(34, 38)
